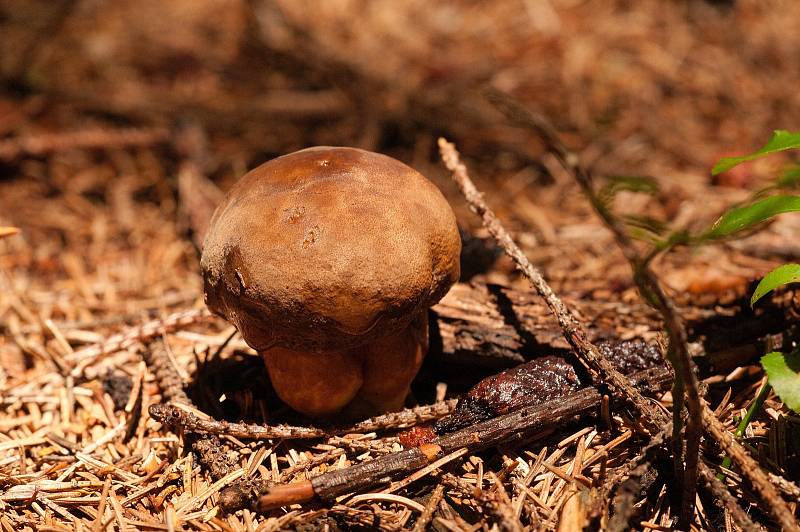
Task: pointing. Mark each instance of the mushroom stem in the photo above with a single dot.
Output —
(314, 384)
(371, 378)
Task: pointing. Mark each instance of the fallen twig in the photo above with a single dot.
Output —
(511, 427)
(245, 492)
(700, 416)
(573, 331)
(589, 354)
(650, 288)
(498, 394)
(724, 498)
(176, 417)
(169, 380)
(508, 429)
(404, 418)
(786, 486)
(430, 507)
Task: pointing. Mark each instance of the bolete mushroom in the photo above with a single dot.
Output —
(327, 260)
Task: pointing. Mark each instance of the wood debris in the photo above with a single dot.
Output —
(111, 161)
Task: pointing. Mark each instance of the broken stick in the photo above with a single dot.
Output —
(574, 333)
(517, 426)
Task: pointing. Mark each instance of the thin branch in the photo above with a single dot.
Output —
(651, 290)
(528, 394)
(430, 507)
(169, 380)
(699, 413)
(514, 427)
(573, 331)
(179, 418)
(724, 498)
(509, 428)
(176, 417)
(751, 470)
(407, 417)
(788, 487)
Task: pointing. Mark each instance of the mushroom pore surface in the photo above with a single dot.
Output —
(325, 251)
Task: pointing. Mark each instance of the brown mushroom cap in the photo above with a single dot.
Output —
(328, 248)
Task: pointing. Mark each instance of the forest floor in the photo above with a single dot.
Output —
(122, 124)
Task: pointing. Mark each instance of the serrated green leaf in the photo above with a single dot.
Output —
(781, 140)
(741, 218)
(783, 371)
(782, 275)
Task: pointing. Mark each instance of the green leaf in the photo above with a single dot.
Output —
(741, 218)
(782, 275)
(783, 372)
(676, 238)
(790, 178)
(781, 140)
(631, 183)
(645, 223)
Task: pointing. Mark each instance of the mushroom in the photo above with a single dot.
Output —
(327, 260)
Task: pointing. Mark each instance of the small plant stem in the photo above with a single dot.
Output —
(678, 402)
(649, 287)
(752, 410)
(574, 333)
(651, 290)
